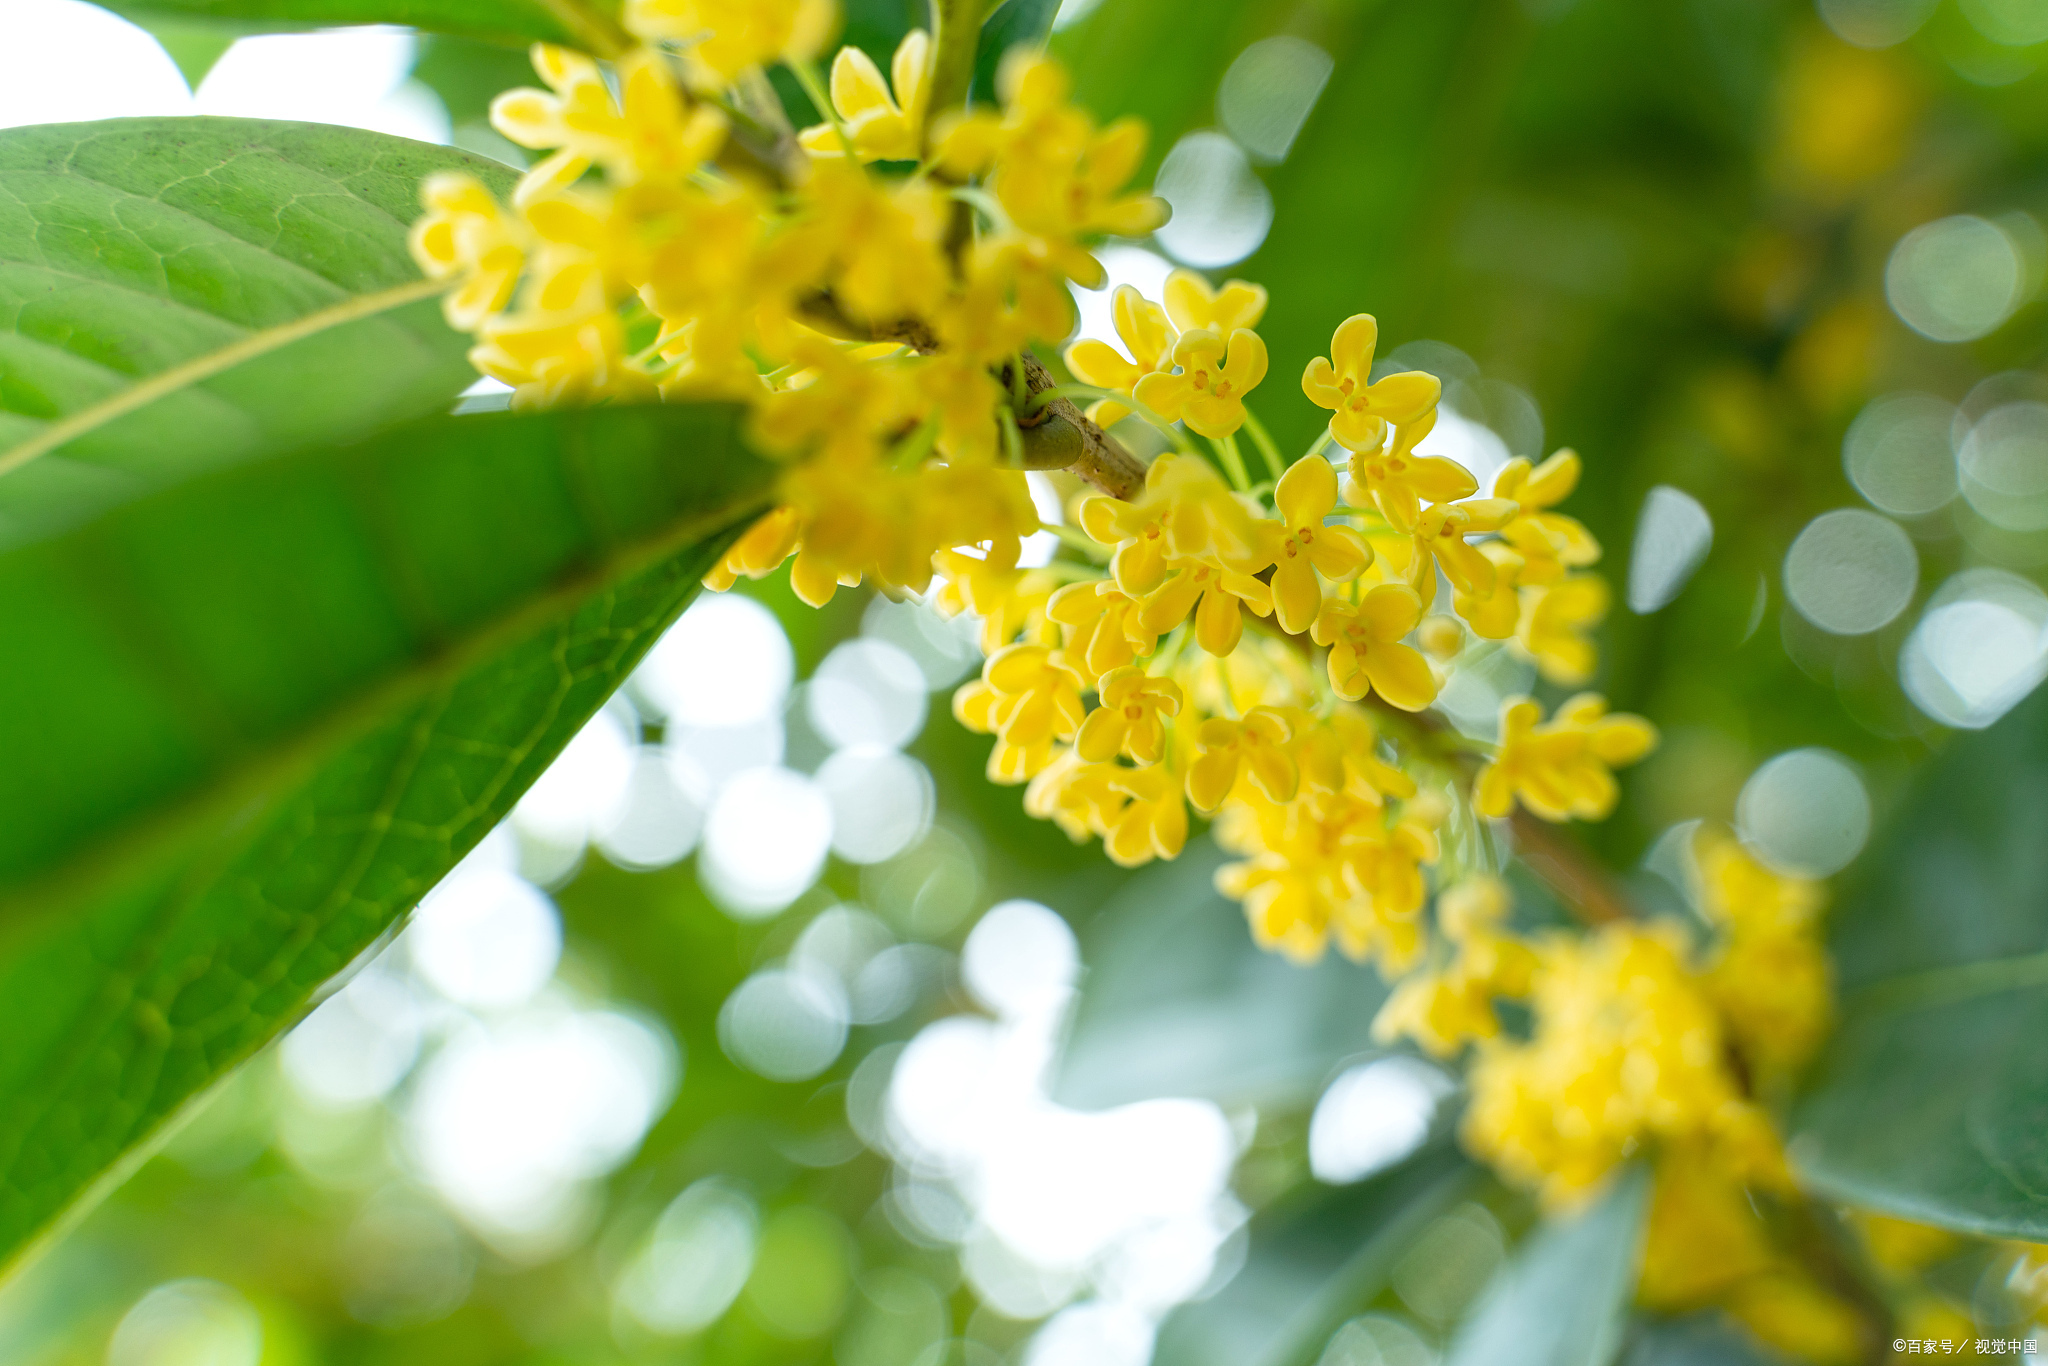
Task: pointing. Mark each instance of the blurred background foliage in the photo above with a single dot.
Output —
(629, 1097)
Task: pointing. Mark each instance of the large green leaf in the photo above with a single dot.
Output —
(1562, 1298)
(248, 720)
(1931, 1101)
(498, 21)
(1314, 1263)
(182, 293)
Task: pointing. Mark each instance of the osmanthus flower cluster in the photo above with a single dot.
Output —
(1258, 650)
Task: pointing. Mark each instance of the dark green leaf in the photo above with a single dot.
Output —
(1709, 1339)
(183, 293)
(1180, 1002)
(1562, 1297)
(1016, 23)
(1931, 1101)
(1314, 1264)
(497, 21)
(249, 719)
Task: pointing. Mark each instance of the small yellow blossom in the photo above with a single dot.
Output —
(1492, 607)
(1007, 599)
(1398, 482)
(1441, 637)
(1184, 512)
(465, 235)
(1103, 626)
(653, 130)
(1193, 304)
(1132, 718)
(1073, 794)
(1254, 748)
(1366, 653)
(1361, 411)
(882, 125)
(1153, 822)
(759, 551)
(1148, 336)
(1443, 529)
(1340, 754)
(1217, 596)
(1554, 625)
(1208, 390)
(1770, 976)
(724, 38)
(1550, 541)
(1305, 496)
(1563, 768)
(1028, 695)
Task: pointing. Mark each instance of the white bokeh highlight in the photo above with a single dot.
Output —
(1898, 454)
(694, 1262)
(1979, 648)
(1221, 209)
(1805, 812)
(188, 1322)
(1268, 92)
(1851, 571)
(1673, 535)
(1372, 1116)
(1955, 279)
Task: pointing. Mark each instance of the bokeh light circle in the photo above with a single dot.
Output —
(1805, 812)
(784, 1025)
(1898, 454)
(1851, 571)
(1955, 279)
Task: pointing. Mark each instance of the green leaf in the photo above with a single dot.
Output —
(1180, 1002)
(183, 293)
(249, 720)
(1015, 23)
(497, 21)
(1313, 1264)
(1931, 1101)
(1562, 1297)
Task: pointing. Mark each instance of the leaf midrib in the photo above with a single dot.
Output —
(1950, 985)
(188, 373)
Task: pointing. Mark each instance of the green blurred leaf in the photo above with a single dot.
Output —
(1015, 23)
(194, 46)
(182, 293)
(1708, 1339)
(249, 720)
(1931, 1101)
(1313, 1264)
(1179, 1002)
(1562, 1297)
(497, 21)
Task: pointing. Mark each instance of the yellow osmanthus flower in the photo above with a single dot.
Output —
(1153, 821)
(883, 124)
(1550, 541)
(1184, 512)
(1008, 600)
(1339, 754)
(1492, 606)
(1194, 305)
(1208, 390)
(1398, 482)
(1444, 530)
(1554, 624)
(1305, 496)
(1103, 626)
(1056, 175)
(1132, 718)
(722, 39)
(1028, 695)
(1254, 749)
(1562, 768)
(464, 235)
(652, 130)
(1361, 410)
(1218, 597)
(1770, 976)
(1625, 1050)
(1445, 1009)
(1146, 333)
(761, 550)
(1366, 649)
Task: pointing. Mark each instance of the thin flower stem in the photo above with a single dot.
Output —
(806, 73)
(1233, 463)
(1263, 439)
(1322, 442)
(1013, 440)
(1079, 540)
